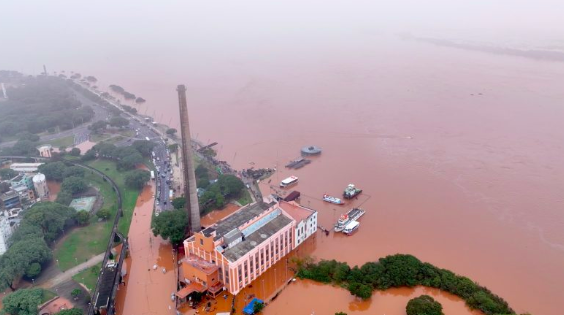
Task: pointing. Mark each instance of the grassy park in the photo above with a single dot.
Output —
(88, 277)
(82, 243)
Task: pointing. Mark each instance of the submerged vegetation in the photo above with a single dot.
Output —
(402, 271)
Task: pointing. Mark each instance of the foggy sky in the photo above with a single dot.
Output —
(47, 29)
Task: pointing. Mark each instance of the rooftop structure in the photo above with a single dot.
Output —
(25, 167)
(246, 243)
(22, 179)
(45, 150)
(40, 184)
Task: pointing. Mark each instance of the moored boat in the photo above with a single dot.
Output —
(333, 200)
(352, 215)
(289, 181)
(351, 191)
(351, 227)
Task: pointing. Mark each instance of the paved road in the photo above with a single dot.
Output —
(67, 275)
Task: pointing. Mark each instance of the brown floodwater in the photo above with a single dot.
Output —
(54, 188)
(217, 215)
(147, 290)
(459, 153)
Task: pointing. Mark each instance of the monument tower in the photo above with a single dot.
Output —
(190, 189)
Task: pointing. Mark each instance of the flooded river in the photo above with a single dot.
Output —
(459, 153)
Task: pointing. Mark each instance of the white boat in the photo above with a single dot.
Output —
(351, 227)
(288, 181)
(333, 200)
(352, 215)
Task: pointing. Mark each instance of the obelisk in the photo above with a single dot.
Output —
(190, 188)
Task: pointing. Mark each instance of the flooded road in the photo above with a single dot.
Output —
(459, 153)
(148, 289)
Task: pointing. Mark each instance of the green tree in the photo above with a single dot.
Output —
(171, 225)
(5, 187)
(173, 147)
(98, 127)
(230, 185)
(118, 122)
(103, 214)
(76, 171)
(23, 301)
(23, 147)
(7, 174)
(76, 293)
(137, 178)
(33, 270)
(63, 149)
(26, 135)
(64, 197)
(75, 152)
(178, 203)
(50, 217)
(53, 171)
(74, 185)
(130, 161)
(424, 305)
(171, 131)
(82, 217)
(143, 146)
(72, 311)
(258, 307)
(89, 155)
(14, 263)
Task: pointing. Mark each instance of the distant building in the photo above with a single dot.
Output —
(10, 200)
(40, 184)
(22, 180)
(27, 196)
(236, 250)
(45, 150)
(25, 167)
(5, 233)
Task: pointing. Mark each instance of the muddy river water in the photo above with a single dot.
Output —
(459, 153)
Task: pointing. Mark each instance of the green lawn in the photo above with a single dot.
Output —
(65, 141)
(85, 242)
(245, 198)
(88, 277)
(128, 195)
(47, 295)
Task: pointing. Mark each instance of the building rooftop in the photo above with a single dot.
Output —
(256, 238)
(8, 195)
(296, 211)
(200, 264)
(236, 219)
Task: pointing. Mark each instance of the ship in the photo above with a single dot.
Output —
(333, 200)
(351, 227)
(351, 191)
(352, 215)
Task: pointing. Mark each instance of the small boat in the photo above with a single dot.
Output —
(352, 215)
(333, 200)
(351, 227)
(288, 181)
(351, 191)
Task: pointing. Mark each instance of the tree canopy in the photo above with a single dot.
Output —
(75, 152)
(17, 260)
(424, 305)
(7, 173)
(40, 104)
(74, 185)
(143, 146)
(137, 178)
(23, 301)
(82, 217)
(171, 131)
(50, 217)
(53, 170)
(404, 271)
(118, 122)
(178, 203)
(72, 311)
(171, 225)
(98, 126)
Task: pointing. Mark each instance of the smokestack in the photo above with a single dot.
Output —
(190, 189)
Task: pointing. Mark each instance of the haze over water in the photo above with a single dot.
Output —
(459, 152)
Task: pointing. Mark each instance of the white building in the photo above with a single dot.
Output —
(25, 167)
(45, 150)
(40, 184)
(5, 233)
